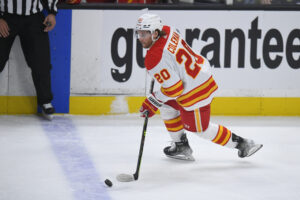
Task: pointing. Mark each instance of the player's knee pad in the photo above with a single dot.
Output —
(168, 112)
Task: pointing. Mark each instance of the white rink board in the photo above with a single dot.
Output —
(15, 79)
(91, 58)
(93, 30)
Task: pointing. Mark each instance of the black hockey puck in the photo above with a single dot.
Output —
(108, 182)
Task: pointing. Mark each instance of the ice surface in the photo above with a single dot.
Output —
(70, 157)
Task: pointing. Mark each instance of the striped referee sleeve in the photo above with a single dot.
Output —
(27, 7)
(51, 6)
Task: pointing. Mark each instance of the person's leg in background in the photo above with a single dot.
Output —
(36, 48)
(7, 42)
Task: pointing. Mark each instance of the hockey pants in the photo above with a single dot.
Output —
(177, 120)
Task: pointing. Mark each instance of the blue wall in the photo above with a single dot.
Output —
(60, 44)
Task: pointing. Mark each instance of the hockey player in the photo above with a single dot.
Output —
(187, 88)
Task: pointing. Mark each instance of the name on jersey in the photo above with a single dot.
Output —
(173, 42)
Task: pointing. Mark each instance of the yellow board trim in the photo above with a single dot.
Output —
(87, 105)
(256, 106)
(134, 103)
(12, 105)
(232, 106)
(3, 104)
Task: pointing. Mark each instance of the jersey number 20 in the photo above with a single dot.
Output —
(192, 66)
(192, 63)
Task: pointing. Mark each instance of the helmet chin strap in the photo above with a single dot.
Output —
(153, 40)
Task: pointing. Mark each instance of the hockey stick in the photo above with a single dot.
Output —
(135, 176)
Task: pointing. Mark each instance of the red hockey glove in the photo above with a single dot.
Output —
(150, 104)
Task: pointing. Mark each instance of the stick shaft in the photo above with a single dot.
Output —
(136, 174)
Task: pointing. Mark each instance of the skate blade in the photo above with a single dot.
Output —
(47, 117)
(182, 157)
(254, 149)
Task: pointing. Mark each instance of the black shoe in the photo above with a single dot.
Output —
(47, 110)
(180, 150)
(246, 147)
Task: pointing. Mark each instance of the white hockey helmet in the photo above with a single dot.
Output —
(149, 22)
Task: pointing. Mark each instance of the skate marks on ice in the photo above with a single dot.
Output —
(89, 149)
(74, 159)
(272, 173)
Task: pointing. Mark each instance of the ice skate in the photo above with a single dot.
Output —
(180, 150)
(47, 111)
(246, 147)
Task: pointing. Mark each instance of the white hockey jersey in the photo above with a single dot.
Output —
(184, 75)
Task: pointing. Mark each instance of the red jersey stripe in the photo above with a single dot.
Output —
(173, 91)
(198, 94)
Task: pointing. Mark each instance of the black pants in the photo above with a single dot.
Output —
(36, 49)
